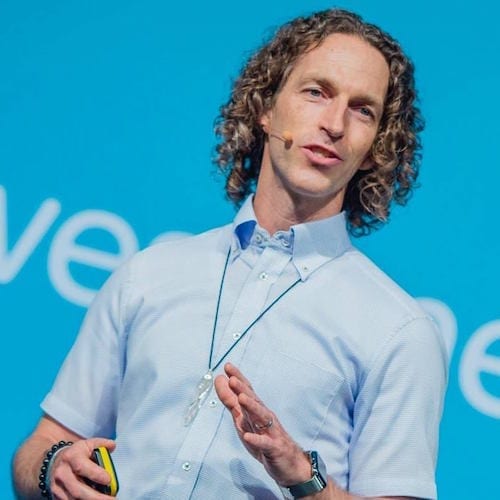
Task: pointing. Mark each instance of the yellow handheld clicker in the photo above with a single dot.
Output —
(102, 458)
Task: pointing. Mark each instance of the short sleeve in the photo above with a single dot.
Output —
(396, 417)
(84, 396)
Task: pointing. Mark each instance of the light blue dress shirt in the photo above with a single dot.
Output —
(349, 363)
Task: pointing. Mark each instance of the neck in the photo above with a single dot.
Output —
(281, 202)
(276, 213)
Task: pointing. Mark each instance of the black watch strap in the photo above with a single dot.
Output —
(318, 481)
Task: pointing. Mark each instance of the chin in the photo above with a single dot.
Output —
(316, 190)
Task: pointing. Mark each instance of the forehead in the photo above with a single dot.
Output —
(344, 60)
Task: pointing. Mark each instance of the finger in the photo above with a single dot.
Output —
(257, 416)
(60, 475)
(261, 442)
(90, 470)
(79, 489)
(58, 492)
(77, 458)
(228, 398)
(239, 387)
(260, 417)
(233, 371)
(71, 481)
(98, 441)
(67, 486)
(245, 394)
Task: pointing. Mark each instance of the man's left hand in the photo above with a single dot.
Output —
(260, 430)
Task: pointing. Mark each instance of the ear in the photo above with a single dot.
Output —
(265, 121)
(367, 163)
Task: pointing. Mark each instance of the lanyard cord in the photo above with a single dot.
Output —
(280, 296)
(221, 286)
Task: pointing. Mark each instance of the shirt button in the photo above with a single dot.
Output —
(236, 335)
(285, 243)
(186, 466)
(258, 238)
(305, 268)
(212, 403)
(263, 276)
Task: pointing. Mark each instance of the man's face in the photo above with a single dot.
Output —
(331, 105)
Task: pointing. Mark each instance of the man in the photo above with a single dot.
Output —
(332, 375)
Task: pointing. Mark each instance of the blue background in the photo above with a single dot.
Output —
(109, 106)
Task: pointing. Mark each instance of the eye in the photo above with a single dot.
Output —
(366, 111)
(314, 92)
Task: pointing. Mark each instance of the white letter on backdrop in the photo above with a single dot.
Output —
(65, 250)
(475, 360)
(445, 320)
(12, 262)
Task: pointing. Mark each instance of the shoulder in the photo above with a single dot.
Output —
(376, 310)
(166, 260)
(164, 264)
(378, 291)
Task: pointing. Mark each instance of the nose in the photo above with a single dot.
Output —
(333, 118)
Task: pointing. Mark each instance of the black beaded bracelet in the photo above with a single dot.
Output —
(45, 467)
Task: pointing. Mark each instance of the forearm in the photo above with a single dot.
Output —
(28, 459)
(334, 492)
(301, 472)
(26, 466)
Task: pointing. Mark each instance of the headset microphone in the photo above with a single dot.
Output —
(286, 137)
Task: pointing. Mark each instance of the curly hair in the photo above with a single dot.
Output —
(395, 151)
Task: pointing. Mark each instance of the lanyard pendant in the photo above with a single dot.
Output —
(202, 391)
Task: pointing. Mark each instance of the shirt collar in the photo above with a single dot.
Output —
(318, 242)
(244, 232)
(312, 243)
(243, 227)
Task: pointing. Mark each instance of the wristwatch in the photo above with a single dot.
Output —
(318, 481)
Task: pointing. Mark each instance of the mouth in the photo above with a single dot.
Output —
(321, 155)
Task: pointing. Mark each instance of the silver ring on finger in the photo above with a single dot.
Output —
(263, 427)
